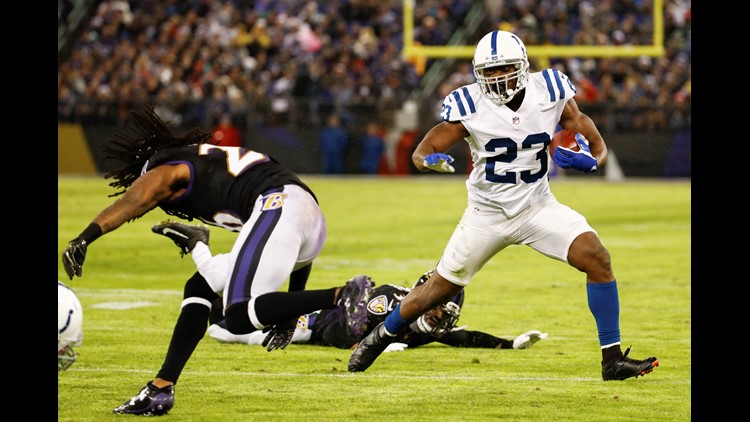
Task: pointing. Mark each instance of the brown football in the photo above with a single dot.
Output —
(565, 138)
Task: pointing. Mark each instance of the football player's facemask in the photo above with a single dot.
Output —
(442, 319)
(439, 320)
(69, 326)
(503, 50)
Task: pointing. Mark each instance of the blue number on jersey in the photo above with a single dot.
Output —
(510, 154)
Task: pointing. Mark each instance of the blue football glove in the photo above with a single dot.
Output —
(580, 160)
(439, 162)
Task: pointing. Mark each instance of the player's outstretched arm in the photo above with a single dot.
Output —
(430, 153)
(143, 195)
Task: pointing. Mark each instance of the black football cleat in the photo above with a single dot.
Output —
(151, 401)
(624, 367)
(183, 235)
(369, 348)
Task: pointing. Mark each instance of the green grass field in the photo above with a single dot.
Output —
(394, 229)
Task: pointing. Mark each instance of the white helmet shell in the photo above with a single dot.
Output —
(501, 48)
(69, 326)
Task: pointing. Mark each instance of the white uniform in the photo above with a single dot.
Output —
(509, 199)
(279, 243)
(216, 270)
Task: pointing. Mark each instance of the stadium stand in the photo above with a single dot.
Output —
(288, 64)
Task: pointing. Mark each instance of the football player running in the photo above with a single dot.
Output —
(508, 118)
(281, 230)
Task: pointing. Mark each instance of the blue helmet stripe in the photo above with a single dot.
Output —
(494, 42)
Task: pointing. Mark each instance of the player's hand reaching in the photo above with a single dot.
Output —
(439, 162)
(580, 160)
(73, 257)
(279, 335)
(278, 338)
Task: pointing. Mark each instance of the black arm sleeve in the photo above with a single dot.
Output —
(478, 339)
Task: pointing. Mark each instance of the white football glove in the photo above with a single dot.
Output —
(527, 339)
(396, 347)
(439, 162)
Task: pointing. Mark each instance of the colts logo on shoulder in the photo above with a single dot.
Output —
(273, 201)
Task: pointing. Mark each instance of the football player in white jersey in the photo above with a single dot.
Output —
(508, 118)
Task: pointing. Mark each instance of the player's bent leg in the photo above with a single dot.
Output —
(237, 318)
(587, 254)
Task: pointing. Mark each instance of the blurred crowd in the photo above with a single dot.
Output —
(620, 93)
(266, 62)
(251, 59)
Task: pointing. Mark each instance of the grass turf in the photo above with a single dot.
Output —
(394, 229)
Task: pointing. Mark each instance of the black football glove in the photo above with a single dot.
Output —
(73, 257)
(279, 335)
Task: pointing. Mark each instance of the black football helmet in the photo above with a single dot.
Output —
(440, 319)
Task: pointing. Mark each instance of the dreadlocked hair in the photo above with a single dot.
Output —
(149, 135)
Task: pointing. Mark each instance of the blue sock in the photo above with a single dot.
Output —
(394, 322)
(605, 306)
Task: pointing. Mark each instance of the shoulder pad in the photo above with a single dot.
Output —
(459, 104)
(558, 85)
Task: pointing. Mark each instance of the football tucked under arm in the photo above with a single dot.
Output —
(577, 156)
(564, 138)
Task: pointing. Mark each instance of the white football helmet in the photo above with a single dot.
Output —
(500, 48)
(69, 326)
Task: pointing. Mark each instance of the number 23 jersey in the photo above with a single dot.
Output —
(509, 148)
